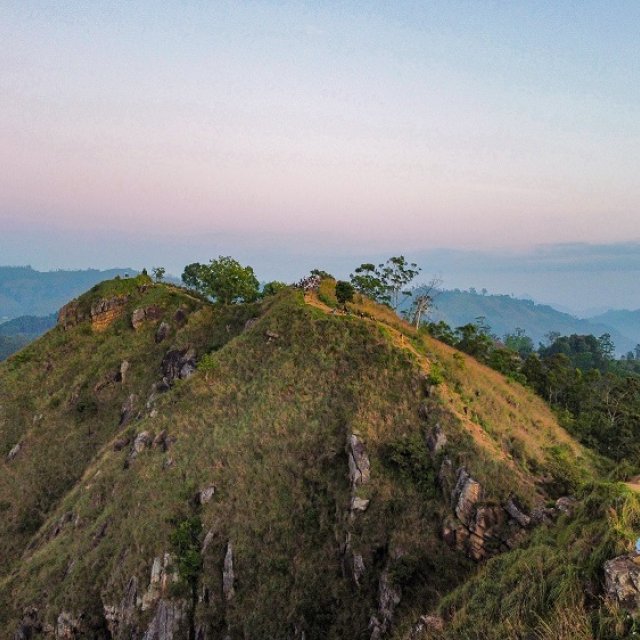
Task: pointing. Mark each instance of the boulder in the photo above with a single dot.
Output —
(622, 581)
(359, 467)
(142, 441)
(466, 494)
(204, 495)
(359, 504)
(516, 513)
(162, 332)
(15, 450)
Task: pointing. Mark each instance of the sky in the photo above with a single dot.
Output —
(172, 132)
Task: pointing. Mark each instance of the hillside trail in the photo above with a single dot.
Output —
(402, 342)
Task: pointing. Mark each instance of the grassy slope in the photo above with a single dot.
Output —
(267, 425)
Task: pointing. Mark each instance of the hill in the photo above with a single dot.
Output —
(25, 291)
(504, 314)
(283, 469)
(624, 321)
(17, 333)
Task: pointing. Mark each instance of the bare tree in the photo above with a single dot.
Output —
(423, 303)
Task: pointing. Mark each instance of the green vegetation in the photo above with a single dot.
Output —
(224, 280)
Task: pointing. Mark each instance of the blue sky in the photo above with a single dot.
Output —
(327, 127)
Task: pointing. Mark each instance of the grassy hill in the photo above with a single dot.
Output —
(504, 314)
(285, 469)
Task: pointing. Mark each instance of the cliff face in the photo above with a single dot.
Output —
(259, 471)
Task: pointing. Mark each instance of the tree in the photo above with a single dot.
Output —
(424, 301)
(367, 280)
(519, 342)
(396, 274)
(607, 347)
(158, 273)
(344, 291)
(271, 288)
(225, 280)
(387, 282)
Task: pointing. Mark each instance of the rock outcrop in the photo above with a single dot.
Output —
(178, 364)
(359, 466)
(622, 581)
(166, 622)
(143, 314)
(389, 596)
(228, 575)
(15, 450)
(476, 526)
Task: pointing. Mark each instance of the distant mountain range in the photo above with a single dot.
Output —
(504, 314)
(25, 291)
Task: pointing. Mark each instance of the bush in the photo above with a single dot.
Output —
(344, 292)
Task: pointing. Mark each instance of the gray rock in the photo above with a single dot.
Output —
(142, 441)
(67, 627)
(178, 364)
(208, 539)
(128, 410)
(120, 617)
(359, 504)
(389, 596)
(141, 315)
(163, 574)
(166, 622)
(466, 494)
(228, 575)
(162, 332)
(436, 440)
(622, 580)
(516, 513)
(15, 450)
(359, 467)
(124, 367)
(204, 495)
